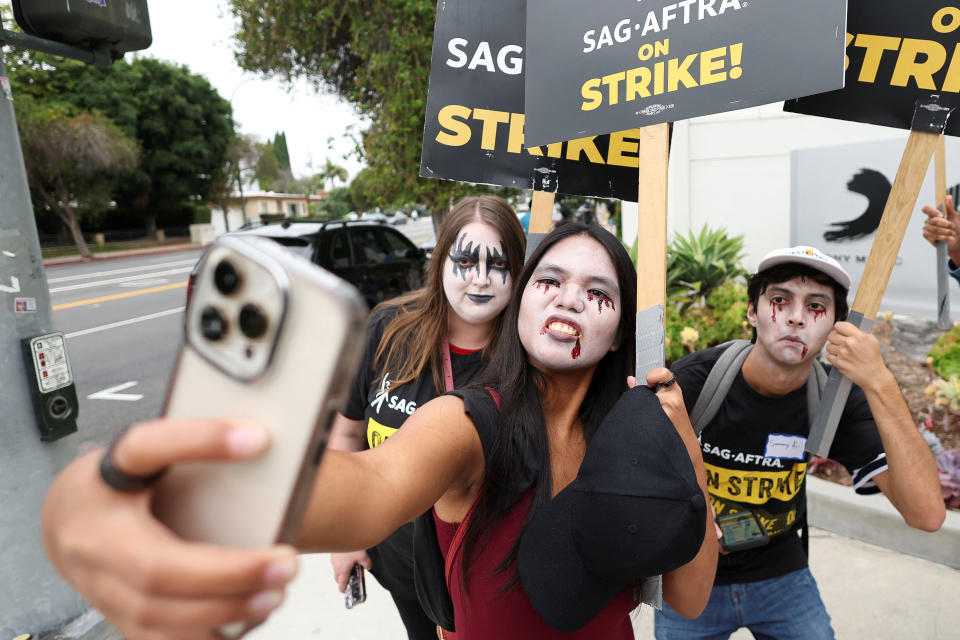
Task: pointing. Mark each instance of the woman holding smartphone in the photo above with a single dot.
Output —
(419, 346)
(499, 456)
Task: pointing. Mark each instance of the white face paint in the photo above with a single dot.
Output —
(476, 276)
(793, 319)
(570, 310)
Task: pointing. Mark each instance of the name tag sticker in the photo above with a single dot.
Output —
(783, 446)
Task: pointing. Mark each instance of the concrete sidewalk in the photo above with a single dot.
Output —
(124, 253)
(870, 593)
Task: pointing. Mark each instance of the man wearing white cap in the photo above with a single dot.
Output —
(753, 448)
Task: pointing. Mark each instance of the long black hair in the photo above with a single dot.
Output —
(520, 454)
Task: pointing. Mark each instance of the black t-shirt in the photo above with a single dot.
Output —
(384, 408)
(753, 449)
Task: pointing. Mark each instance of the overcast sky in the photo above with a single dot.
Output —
(198, 34)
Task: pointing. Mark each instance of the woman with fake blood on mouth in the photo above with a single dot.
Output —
(448, 326)
(497, 455)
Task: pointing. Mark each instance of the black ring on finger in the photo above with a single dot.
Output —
(664, 385)
(121, 481)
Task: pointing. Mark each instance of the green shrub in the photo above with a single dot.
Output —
(945, 354)
(700, 262)
(201, 214)
(722, 317)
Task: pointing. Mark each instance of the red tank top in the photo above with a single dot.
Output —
(487, 612)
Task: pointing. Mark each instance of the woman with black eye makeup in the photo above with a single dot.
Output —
(420, 346)
(554, 491)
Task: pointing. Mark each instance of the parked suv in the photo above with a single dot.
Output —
(380, 261)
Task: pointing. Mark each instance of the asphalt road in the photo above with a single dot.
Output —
(123, 322)
(122, 319)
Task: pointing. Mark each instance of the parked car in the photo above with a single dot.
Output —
(373, 216)
(398, 218)
(379, 261)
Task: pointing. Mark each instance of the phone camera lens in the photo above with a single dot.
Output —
(252, 321)
(212, 324)
(226, 278)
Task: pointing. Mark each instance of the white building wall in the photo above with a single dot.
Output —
(733, 170)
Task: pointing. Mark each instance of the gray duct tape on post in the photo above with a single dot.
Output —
(533, 241)
(833, 401)
(651, 351)
(943, 291)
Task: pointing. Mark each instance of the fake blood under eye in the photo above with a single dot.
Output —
(774, 307)
(818, 313)
(602, 301)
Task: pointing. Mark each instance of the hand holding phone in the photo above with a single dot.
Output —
(741, 530)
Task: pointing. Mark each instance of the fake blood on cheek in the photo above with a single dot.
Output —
(774, 307)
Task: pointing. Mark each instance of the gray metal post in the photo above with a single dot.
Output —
(33, 598)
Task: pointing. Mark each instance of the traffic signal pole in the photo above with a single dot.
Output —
(34, 601)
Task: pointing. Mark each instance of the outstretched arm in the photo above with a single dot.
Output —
(361, 498)
(149, 583)
(911, 481)
(155, 586)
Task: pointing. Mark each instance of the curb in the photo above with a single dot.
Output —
(98, 257)
(872, 519)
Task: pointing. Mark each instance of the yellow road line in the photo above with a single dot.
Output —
(118, 296)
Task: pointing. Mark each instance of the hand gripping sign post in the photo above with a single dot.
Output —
(474, 125)
(624, 63)
(903, 70)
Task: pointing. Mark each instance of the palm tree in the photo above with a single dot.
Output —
(333, 172)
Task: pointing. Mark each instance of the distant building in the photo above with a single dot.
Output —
(258, 203)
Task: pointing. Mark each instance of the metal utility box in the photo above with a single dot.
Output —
(121, 25)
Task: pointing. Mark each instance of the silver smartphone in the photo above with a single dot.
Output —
(271, 337)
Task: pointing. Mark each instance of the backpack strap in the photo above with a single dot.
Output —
(717, 384)
(724, 372)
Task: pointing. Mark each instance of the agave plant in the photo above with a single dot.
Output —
(700, 262)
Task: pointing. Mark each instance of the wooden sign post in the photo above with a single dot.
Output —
(541, 215)
(653, 155)
(940, 191)
(930, 120)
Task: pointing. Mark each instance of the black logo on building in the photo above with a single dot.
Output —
(875, 187)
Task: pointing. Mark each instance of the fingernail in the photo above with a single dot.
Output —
(245, 441)
(280, 572)
(264, 602)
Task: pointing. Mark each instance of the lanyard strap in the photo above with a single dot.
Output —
(447, 365)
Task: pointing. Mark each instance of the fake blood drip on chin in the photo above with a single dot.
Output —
(576, 350)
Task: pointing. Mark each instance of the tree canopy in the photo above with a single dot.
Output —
(376, 58)
(71, 161)
(182, 125)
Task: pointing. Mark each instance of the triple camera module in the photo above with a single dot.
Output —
(251, 319)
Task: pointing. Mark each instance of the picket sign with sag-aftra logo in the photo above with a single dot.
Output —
(902, 70)
(474, 130)
(599, 66)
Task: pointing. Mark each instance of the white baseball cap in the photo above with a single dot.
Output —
(810, 256)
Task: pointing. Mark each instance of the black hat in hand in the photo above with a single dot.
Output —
(634, 510)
